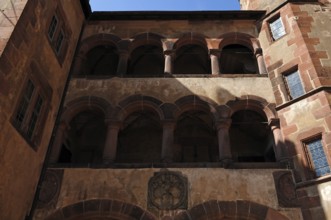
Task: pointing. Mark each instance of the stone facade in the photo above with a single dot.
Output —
(166, 115)
(26, 55)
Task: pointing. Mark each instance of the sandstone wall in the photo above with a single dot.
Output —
(170, 28)
(218, 90)
(28, 44)
(305, 47)
(204, 184)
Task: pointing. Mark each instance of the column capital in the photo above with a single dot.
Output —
(169, 123)
(123, 53)
(274, 122)
(215, 52)
(113, 123)
(258, 51)
(169, 52)
(223, 123)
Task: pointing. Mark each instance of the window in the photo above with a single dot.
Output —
(58, 33)
(52, 27)
(59, 42)
(277, 28)
(31, 109)
(317, 158)
(294, 85)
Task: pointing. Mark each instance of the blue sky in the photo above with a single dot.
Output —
(163, 5)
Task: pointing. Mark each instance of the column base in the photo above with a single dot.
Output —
(108, 161)
(226, 162)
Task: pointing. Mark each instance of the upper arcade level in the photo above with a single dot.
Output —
(153, 44)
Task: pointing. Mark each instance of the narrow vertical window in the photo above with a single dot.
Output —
(59, 42)
(294, 84)
(34, 116)
(52, 27)
(58, 33)
(31, 110)
(317, 157)
(24, 104)
(277, 28)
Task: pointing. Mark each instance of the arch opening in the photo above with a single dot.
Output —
(195, 138)
(102, 60)
(238, 59)
(85, 139)
(251, 137)
(140, 139)
(192, 59)
(146, 60)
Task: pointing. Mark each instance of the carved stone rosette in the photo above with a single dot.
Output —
(167, 191)
(285, 188)
(50, 188)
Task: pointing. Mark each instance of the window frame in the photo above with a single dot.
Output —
(60, 29)
(41, 90)
(269, 24)
(309, 159)
(286, 83)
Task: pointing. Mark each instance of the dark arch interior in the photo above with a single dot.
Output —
(251, 138)
(192, 59)
(85, 139)
(237, 59)
(195, 138)
(102, 60)
(146, 60)
(140, 140)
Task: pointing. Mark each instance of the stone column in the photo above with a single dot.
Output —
(110, 149)
(168, 58)
(58, 142)
(280, 147)
(260, 61)
(215, 64)
(223, 126)
(79, 67)
(167, 154)
(123, 62)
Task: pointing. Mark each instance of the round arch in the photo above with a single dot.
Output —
(253, 103)
(191, 55)
(146, 55)
(239, 38)
(251, 137)
(195, 135)
(103, 209)
(146, 38)
(135, 103)
(102, 47)
(85, 103)
(191, 38)
(140, 136)
(193, 102)
(238, 54)
(239, 209)
(97, 105)
(97, 40)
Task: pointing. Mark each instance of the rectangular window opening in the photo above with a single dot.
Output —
(24, 104)
(59, 41)
(277, 28)
(294, 84)
(317, 157)
(52, 27)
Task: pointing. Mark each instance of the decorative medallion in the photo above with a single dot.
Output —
(50, 188)
(167, 191)
(285, 188)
